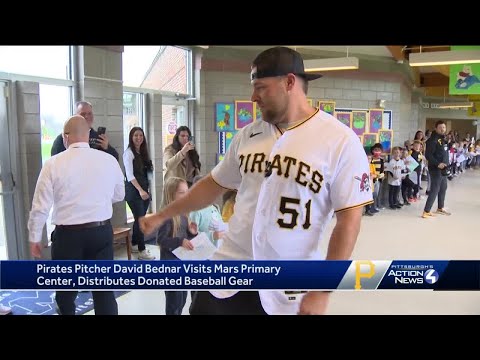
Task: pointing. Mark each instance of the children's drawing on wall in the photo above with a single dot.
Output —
(224, 116)
(244, 111)
(375, 120)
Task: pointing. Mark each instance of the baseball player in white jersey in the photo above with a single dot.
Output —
(313, 156)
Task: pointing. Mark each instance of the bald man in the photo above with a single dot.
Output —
(81, 212)
(96, 141)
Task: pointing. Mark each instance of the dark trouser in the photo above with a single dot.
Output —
(438, 186)
(409, 189)
(139, 208)
(175, 301)
(393, 191)
(242, 303)
(85, 244)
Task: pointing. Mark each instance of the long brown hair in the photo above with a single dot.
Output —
(169, 189)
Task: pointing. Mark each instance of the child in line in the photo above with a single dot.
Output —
(378, 162)
(209, 220)
(418, 156)
(172, 234)
(396, 169)
(228, 205)
(370, 209)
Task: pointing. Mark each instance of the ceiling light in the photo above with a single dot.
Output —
(454, 105)
(345, 63)
(445, 58)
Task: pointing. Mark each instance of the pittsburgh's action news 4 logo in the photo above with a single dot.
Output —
(373, 275)
(413, 274)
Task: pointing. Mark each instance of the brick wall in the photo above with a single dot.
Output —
(169, 73)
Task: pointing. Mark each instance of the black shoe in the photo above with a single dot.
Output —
(368, 213)
(398, 206)
(420, 188)
(374, 210)
(393, 207)
(406, 203)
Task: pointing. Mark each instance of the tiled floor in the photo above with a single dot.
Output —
(392, 234)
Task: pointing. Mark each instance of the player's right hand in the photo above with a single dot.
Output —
(149, 224)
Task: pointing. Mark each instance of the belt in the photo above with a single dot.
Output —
(84, 226)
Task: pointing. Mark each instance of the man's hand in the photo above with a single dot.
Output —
(36, 250)
(103, 141)
(149, 224)
(442, 166)
(314, 303)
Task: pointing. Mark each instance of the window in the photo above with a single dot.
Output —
(163, 68)
(55, 109)
(44, 61)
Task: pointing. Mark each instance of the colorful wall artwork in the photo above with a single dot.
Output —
(385, 137)
(375, 120)
(310, 102)
(224, 140)
(327, 106)
(244, 113)
(224, 116)
(464, 78)
(369, 140)
(258, 112)
(220, 157)
(344, 117)
(359, 122)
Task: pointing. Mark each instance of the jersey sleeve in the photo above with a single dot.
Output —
(227, 172)
(350, 186)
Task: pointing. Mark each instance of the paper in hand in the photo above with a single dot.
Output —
(203, 249)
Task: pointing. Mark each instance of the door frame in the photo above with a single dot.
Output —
(17, 243)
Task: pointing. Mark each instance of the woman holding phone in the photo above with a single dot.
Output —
(137, 166)
(181, 158)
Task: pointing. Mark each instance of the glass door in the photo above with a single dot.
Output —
(8, 240)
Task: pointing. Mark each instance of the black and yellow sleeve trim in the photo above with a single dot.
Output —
(216, 182)
(354, 206)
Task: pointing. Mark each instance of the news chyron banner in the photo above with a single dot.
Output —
(357, 275)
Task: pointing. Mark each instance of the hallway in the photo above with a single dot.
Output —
(392, 235)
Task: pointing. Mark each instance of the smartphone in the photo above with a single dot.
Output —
(191, 139)
(101, 130)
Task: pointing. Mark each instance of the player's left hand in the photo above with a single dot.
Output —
(36, 250)
(103, 141)
(314, 303)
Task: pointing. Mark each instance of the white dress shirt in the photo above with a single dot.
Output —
(128, 158)
(81, 183)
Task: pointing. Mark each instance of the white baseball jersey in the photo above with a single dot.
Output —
(317, 167)
(243, 169)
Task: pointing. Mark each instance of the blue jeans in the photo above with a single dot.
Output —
(139, 208)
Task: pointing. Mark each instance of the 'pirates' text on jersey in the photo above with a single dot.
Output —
(316, 167)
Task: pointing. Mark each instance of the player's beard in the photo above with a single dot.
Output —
(276, 111)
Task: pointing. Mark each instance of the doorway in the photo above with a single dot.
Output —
(8, 240)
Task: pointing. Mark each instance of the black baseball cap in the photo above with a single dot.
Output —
(280, 61)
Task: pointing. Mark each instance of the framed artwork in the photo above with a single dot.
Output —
(258, 113)
(375, 120)
(244, 113)
(224, 116)
(359, 122)
(385, 137)
(327, 106)
(310, 102)
(344, 117)
(220, 157)
(224, 140)
(369, 140)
